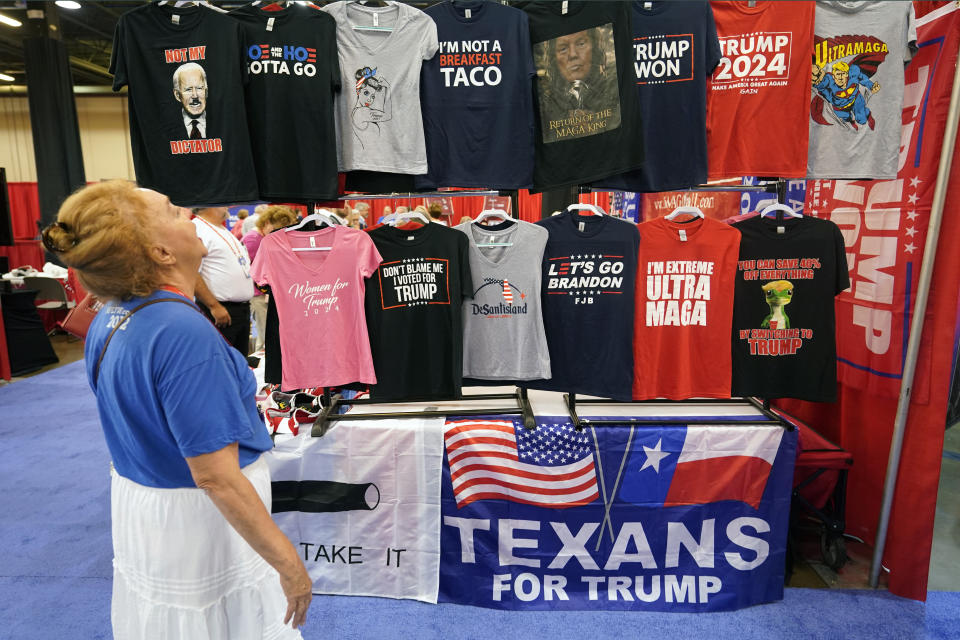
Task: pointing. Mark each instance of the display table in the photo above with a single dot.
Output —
(28, 347)
(480, 511)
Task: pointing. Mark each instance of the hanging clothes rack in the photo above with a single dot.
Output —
(418, 194)
(766, 417)
(334, 403)
(767, 185)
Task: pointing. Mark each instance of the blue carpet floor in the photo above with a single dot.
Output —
(55, 559)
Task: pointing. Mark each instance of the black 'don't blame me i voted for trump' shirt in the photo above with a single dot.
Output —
(188, 127)
(414, 312)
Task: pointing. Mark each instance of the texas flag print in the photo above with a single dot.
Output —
(700, 464)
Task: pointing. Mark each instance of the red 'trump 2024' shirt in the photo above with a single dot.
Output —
(761, 84)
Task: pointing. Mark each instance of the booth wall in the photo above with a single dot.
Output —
(104, 136)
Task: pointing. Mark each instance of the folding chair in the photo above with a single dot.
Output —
(51, 294)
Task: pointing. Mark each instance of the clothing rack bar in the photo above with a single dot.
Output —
(775, 186)
(329, 413)
(422, 194)
(770, 418)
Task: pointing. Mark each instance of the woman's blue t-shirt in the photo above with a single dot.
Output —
(169, 388)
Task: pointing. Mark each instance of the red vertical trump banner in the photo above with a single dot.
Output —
(884, 225)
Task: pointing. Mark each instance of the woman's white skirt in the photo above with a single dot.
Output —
(181, 572)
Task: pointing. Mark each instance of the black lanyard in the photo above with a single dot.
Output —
(96, 371)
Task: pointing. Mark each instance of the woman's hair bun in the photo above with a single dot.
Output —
(59, 237)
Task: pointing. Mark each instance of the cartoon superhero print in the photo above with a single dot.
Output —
(841, 66)
(372, 107)
(778, 295)
(841, 89)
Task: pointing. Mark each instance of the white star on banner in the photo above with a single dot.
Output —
(912, 215)
(911, 231)
(914, 181)
(654, 456)
(912, 198)
(909, 247)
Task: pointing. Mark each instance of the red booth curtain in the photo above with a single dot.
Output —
(25, 214)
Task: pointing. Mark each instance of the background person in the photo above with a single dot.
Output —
(237, 229)
(358, 215)
(435, 213)
(224, 286)
(275, 217)
(204, 560)
(249, 223)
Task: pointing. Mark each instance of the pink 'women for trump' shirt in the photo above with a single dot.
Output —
(319, 296)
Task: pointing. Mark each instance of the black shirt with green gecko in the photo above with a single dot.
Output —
(788, 273)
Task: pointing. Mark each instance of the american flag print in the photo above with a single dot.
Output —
(507, 294)
(551, 466)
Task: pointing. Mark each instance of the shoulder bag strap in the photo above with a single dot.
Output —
(96, 371)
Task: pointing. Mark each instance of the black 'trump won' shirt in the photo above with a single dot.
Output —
(294, 72)
(188, 126)
(784, 343)
(675, 49)
(476, 96)
(587, 112)
(413, 307)
(589, 272)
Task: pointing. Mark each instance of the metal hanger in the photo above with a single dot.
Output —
(594, 209)
(396, 219)
(487, 214)
(320, 216)
(693, 211)
(777, 207)
(181, 3)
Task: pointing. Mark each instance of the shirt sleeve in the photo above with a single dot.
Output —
(118, 63)
(840, 251)
(200, 392)
(466, 276)
(911, 33)
(260, 269)
(203, 235)
(333, 55)
(429, 44)
(242, 44)
(526, 47)
(370, 257)
(713, 42)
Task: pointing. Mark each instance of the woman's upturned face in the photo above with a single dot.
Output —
(173, 229)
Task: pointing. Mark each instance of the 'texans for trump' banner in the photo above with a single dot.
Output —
(659, 518)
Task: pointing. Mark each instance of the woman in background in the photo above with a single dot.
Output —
(273, 217)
